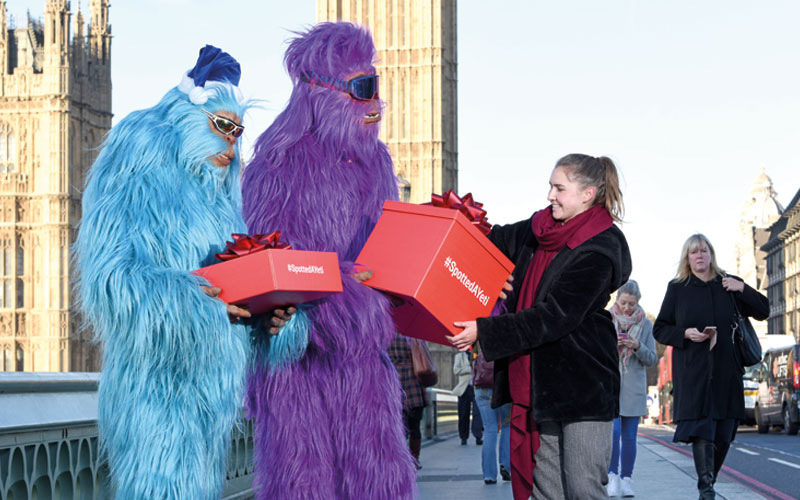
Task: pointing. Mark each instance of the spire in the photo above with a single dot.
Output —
(99, 31)
(762, 208)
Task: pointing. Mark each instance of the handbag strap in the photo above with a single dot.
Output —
(737, 317)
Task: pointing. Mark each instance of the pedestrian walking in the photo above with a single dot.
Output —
(493, 419)
(466, 400)
(637, 350)
(695, 319)
(414, 401)
(555, 352)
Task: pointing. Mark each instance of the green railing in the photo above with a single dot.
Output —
(48, 441)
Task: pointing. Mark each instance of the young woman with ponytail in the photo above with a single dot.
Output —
(555, 350)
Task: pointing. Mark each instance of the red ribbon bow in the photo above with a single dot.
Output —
(466, 205)
(244, 244)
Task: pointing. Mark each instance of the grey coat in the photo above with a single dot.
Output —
(633, 391)
(463, 370)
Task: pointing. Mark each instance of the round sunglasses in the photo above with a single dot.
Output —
(224, 125)
(360, 88)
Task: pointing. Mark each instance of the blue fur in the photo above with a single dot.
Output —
(154, 209)
(279, 351)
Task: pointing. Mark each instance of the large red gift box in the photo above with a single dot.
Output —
(268, 278)
(442, 267)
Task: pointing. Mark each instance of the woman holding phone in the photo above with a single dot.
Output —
(695, 319)
(637, 351)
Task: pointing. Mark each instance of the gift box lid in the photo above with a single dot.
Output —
(426, 253)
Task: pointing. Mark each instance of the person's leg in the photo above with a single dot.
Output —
(613, 485)
(585, 457)
(725, 431)
(414, 435)
(504, 416)
(464, 404)
(477, 422)
(483, 398)
(720, 452)
(615, 435)
(548, 480)
(703, 455)
(630, 426)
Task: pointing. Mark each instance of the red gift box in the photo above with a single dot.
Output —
(263, 278)
(439, 263)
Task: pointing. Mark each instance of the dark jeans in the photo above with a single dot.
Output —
(411, 419)
(466, 402)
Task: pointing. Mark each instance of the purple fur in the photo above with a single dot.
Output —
(329, 426)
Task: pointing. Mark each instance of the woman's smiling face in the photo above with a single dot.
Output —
(567, 197)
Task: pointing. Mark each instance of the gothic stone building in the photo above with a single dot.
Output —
(783, 271)
(759, 212)
(55, 107)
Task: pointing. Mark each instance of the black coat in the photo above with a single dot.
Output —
(705, 382)
(568, 332)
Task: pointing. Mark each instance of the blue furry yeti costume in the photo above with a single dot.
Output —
(154, 209)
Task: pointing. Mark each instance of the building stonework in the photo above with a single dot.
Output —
(759, 212)
(783, 271)
(55, 108)
(417, 65)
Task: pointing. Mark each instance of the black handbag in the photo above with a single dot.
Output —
(746, 347)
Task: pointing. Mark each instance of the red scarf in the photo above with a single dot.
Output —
(552, 236)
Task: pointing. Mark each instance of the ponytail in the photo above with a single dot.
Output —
(600, 173)
(612, 198)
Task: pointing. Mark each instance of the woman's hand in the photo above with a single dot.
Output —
(279, 319)
(629, 343)
(506, 288)
(362, 276)
(696, 335)
(235, 313)
(465, 339)
(732, 284)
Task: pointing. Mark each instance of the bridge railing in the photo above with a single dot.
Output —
(441, 415)
(49, 446)
(48, 440)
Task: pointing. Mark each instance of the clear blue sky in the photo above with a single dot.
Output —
(689, 98)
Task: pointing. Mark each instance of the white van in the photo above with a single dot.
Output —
(750, 382)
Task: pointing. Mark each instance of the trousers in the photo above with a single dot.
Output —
(572, 462)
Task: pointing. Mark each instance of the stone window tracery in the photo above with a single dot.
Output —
(8, 149)
(7, 359)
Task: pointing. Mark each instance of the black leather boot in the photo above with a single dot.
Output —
(720, 452)
(703, 454)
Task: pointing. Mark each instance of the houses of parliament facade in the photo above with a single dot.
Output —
(55, 108)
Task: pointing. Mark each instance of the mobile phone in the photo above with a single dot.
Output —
(622, 335)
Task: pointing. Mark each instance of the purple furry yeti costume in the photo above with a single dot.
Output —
(325, 397)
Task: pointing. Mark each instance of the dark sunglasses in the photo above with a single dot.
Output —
(224, 125)
(361, 88)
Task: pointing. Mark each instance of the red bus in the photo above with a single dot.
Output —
(665, 387)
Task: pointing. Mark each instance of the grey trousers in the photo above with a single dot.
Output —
(572, 462)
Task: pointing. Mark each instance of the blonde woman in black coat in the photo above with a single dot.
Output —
(695, 319)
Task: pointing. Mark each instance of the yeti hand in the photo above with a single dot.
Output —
(279, 319)
(235, 313)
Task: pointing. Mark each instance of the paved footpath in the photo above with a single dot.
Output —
(453, 472)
